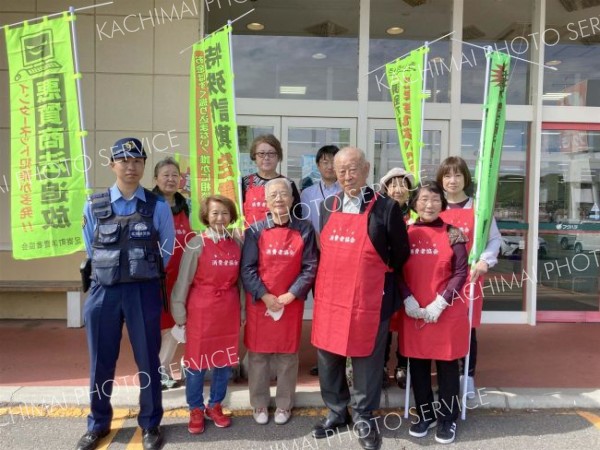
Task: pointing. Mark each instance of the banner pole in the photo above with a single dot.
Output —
(407, 393)
(237, 144)
(423, 89)
(463, 414)
(79, 101)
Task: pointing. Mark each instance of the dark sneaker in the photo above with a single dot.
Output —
(400, 377)
(421, 428)
(446, 431)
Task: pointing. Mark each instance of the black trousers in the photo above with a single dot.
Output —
(473, 357)
(365, 394)
(448, 405)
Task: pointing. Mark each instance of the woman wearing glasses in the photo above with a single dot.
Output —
(266, 152)
(435, 325)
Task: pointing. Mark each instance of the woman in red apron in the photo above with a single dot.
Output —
(397, 184)
(435, 323)
(206, 300)
(267, 153)
(454, 176)
(279, 266)
(167, 176)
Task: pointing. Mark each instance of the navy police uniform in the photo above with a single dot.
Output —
(126, 240)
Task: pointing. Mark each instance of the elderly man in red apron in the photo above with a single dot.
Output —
(279, 265)
(363, 247)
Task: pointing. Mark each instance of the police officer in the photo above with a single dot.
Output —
(127, 230)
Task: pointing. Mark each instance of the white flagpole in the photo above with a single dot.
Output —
(463, 414)
(237, 145)
(407, 393)
(423, 89)
(79, 101)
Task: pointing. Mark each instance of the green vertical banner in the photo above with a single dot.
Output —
(213, 129)
(47, 166)
(488, 163)
(405, 80)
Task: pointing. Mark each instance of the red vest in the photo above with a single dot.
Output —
(183, 234)
(255, 204)
(349, 286)
(464, 218)
(427, 273)
(279, 264)
(213, 307)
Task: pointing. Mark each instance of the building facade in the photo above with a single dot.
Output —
(311, 72)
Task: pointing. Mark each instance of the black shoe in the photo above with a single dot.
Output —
(152, 438)
(314, 371)
(421, 428)
(446, 432)
(400, 377)
(327, 427)
(368, 435)
(91, 439)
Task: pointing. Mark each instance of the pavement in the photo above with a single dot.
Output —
(549, 366)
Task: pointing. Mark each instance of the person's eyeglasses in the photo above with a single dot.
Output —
(263, 155)
(433, 201)
(326, 163)
(282, 194)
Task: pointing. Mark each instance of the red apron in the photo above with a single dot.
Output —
(349, 286)
(427, 273)
(255, 204)
(464, 218)
(279, 264)
(213, 307)
(183, 233)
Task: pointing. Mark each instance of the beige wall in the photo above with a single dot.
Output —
(134, 84)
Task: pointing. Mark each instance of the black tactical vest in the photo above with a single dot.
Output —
(125, 248)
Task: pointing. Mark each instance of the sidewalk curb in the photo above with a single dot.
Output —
(63, 397)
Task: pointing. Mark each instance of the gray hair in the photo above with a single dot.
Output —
(168, 161)
(280, 180)
(362, 158)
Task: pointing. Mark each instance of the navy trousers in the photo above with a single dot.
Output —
(107, 307)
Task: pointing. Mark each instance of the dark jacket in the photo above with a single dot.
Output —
(250, 252)
(387, 231)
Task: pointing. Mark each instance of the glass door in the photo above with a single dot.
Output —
(569, 223)
(301, 137)
(250, 127)
(384, 150)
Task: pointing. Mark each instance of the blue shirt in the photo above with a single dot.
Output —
(162, 220)
(312, 197)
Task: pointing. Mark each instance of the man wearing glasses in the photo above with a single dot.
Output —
(363, 248)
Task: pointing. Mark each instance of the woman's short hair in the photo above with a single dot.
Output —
(278, 180)
(429, 186)
(205, 203)
(267, 139)
(168, 161)
(454, 164)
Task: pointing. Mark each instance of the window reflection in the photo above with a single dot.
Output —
(570, 219)
(510, 34)
(306, 49)
(504, 286)
(573, 47)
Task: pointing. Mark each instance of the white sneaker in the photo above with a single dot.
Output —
(282, 416)
(470, 387)
(261, 416)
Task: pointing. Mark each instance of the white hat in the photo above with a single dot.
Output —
(396, 172)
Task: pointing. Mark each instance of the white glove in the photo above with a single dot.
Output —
(412, 308)
(275, 315)
(178, 332)
(434, 309)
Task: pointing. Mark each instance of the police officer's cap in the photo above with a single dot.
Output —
(128, 148)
